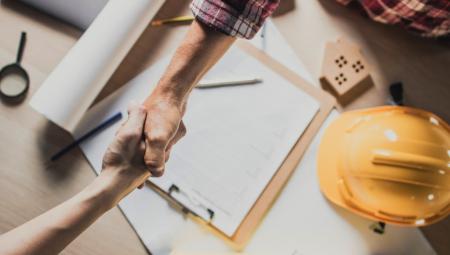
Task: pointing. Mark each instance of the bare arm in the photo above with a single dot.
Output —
(198, 52)
(123, 171)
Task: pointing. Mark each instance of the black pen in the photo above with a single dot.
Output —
(108, 122)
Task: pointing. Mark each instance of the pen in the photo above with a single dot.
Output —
(179, 19)
(108, 122)
(221, 83)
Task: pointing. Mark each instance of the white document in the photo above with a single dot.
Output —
(79, 13)
(72, 86)
(237, 137)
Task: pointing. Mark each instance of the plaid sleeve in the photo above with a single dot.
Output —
(429, 18)
(242, 18)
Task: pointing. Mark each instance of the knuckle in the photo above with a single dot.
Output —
(157, 139)
(152, 163)
(157, 172)
(121, 139)
(167, 156)
(154, 167)
(142, 147)
(130, 134)
(141, 109)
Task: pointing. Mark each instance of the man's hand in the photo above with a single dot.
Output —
(200, 50)
(163, 128)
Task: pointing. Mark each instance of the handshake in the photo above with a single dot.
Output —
(143, 143)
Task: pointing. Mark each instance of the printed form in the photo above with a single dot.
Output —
(237, 139)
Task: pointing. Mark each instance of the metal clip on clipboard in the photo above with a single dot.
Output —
(174, 188)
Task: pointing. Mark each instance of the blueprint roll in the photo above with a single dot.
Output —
(72, 86)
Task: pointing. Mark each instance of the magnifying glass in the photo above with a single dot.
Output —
(14, 80)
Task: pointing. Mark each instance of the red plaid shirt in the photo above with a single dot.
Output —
(430, 18)
(243, 18)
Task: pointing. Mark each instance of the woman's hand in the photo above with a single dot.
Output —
(123, 171)
(123, 164)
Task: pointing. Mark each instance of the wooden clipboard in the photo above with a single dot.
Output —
(268, 196)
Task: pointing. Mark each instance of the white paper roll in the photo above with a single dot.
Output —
(79, 13)
(73, 85)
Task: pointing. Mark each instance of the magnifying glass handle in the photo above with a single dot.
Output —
(23, 39)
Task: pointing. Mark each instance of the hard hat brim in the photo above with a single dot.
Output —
(330, 150)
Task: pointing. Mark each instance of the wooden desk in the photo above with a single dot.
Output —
(30, 186)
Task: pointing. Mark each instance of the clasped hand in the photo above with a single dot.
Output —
(143, 143)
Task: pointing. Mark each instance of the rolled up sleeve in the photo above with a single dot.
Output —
(234, 17)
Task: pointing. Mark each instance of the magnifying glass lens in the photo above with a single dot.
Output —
(14, 79)
(13, 82)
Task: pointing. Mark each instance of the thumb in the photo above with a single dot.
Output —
(155, 157)
(135, 122)
(136, 117)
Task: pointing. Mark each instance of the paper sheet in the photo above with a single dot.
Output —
(73, 85)
(79, 13)
(237, 138)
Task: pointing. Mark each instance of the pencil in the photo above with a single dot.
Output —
(108, 122)
(217, 84)
(179, 19)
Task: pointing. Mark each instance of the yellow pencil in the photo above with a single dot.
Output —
(179, 19)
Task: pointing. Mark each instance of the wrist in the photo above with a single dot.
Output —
(172, 91)
(112, 185)
(98, 195)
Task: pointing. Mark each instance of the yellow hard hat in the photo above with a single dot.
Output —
(389, 164)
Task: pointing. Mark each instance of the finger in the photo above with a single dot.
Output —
(142, 147)
(167, 156)
(135, 122)
(154, 156)
(120, 128)
(183, 108)
(131, 106)
(181, 132)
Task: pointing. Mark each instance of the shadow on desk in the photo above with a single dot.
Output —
(46, 20)
(153, 44)
(392, 239)
(285, 6)
(50, 140)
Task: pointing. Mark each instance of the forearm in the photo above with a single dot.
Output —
(50, 232)
(198, 52)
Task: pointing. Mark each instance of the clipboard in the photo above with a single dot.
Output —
(270, 193)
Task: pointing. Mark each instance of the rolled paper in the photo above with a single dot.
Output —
(74, 84)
